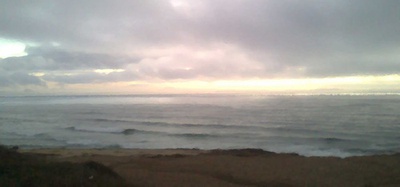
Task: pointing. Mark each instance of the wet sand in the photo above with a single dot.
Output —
(247, 167)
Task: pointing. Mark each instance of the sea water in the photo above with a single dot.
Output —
(314, 125)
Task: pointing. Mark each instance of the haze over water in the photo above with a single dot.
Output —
(308, 125)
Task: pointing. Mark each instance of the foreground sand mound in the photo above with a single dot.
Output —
(18, 169)
(247, 167)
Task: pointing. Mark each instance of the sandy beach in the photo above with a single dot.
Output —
(247, 167)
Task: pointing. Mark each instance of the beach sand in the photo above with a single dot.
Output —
(247, 167)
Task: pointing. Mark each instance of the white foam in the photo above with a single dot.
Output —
(308, 150)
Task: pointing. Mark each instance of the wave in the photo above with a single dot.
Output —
(280, 127)
(366, 151)
(291, 129)
(162, 123)
(334, 140)
(196, 125)
(194, 135)
(111, 120)
(132, 131)
(331, 140)
(188, 125)
(106, 130)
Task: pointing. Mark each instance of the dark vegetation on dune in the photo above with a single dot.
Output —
(31, 170)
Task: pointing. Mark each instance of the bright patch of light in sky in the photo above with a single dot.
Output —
(177, 3)
(37, 74)
(9, 48)
(351, 83)
(108, 71)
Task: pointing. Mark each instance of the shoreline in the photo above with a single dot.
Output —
(235, 167)
(66, 151)
(69, 152)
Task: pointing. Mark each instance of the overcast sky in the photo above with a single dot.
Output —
(70, 45)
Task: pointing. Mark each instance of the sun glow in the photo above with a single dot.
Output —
(37, 74)
(177, 3)
(9, 48)
(108, 71)
(334, 85)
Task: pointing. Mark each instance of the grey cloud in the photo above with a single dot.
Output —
(355, 67)
(90, 77)
(5, 81)
(55, 62)
(223, 64)
(19, 79)
(309, 33)
(86, 24)
(25, 79)
(42, 59)
(326, 38)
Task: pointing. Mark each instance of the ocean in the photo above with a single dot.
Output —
(309, 125)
